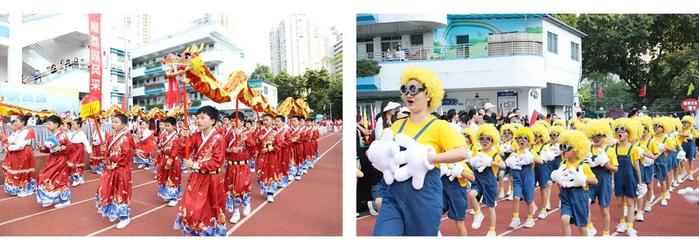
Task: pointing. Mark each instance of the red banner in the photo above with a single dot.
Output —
(95, 45)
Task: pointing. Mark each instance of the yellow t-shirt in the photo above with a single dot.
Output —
(669, 143)
(584, 167)
(691, 130)
(439, 135)
(623, 150)
(467, 170)
(610, 154)
(490, 153)
(538, 148)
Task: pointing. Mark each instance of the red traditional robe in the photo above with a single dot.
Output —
(285, 152)
(146, 144)
(76, 158)
(297, 146)
(53, 178)
(97, 156)
(114, 190)
(315, 134)
(168, 164)
(18, 166)
(267, 162)
(201, 211)
(306, 136)
(238, 173)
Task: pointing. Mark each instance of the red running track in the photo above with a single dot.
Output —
(294, 211)
(679, 218)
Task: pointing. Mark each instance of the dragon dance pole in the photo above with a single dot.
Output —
(186, 120)
(236, 113)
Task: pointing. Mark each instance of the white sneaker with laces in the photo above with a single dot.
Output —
(62, 205)
(123, 223)
(515, 222)
(631, 233)
(172, 203)
(621, 227)
(592, 232)
(477, 220)
(639, 217)
(235, 217)
(491, 234)
(372, 211)
(501, 195)
(510, 197)
(472, 212)
(529, 223)
(542, 214)
(270, 198)
(648, 208)
(663, 203)
(246, 210)
(298, 177)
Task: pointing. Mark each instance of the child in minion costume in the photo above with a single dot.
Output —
(485, 161)
(678, 154)
(522, 162)
(573, 176)
(603, 162)
(542, 171)
(505, 148)
(650, 153)
(627, 179)
(456, 178)
(554, 132)
(687, 135)
(414, 208)
(662, 127)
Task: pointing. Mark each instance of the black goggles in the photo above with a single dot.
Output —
(620, 129)
(598, 137)
(565, 147)
(485, 139)
(411, 89)
(522, 138)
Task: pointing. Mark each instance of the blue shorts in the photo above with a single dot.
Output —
(409, 212)
(673, 161)
(689, 147)
(625, 182)
(647, 173)
(660, 167)
(543, 174)
(574, 203)
(602, 192)
(379, 190)
(486, 185)
(523, 183)
(455, 201)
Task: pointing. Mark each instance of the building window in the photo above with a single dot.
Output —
(390, 42)
(416, 40)
(552, 42)
(574, 48)
(264, 91)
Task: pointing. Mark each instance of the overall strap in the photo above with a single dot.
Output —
(419, 133)
(629, 152)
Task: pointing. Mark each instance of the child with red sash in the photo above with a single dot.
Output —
(315, 134)
(53, 178)
(250, 130)
(285, 153)
(114, 190)
(76, 159)
(267, 159)
(145, 146)
(97, 156)
(201, 211)
(238, 172)
(168, 163)
(296, 149)
(18, 166)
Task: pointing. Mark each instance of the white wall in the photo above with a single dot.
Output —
(560, 68)
(3, 69)
(46, 28)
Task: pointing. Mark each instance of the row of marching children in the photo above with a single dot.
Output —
(588, 161)
(220, 156)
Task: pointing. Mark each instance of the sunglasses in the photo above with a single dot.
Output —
(598, 137)
(554, 134)
(522, 138)
(656, 125)
(685, 122)
(507, 132)
(620, 130)
(537, 136)
(411, 89)
(485, 139)
(565, 147)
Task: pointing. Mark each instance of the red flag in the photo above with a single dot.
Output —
(532, 120)
(600, 93)
(643, 91)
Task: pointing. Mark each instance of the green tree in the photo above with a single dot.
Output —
(367, 68)
(262, 72)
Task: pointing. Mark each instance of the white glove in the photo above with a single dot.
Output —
(601, 159)
(382, 155)
(415, 159)
(682, 155)
(456, 172)
(487, 161)
(443, 169)
(557, 176)
(506, 147)
(690, 136)
(689, 194)
(547, 155)
(612, 141)
(641, 190)
(556, 149)
(647, 161)
(526, 159)
(661, 147)
(676, 133)
(579, 179)
(511, 162)
(640, 151)
(480, 161)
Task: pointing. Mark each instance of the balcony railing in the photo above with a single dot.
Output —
(460, 51)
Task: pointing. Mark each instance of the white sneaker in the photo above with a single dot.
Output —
(172, 203)
(298, 177)
(22, 195)
(691, 177)
(46, 204)
(123, 223)
(510, 196)
(592, 232)
(663, 203)
(236, 217)
(652, 197)
(515, 222)
(82, 181)
(675, 183)
(305, 171)
(501, 195)
(477, 220)
(112, 219)
(252, 170)
(270, 198)
(648, 208)
(262, 192)
(529, 223)
(548, 207)
(472, 212)
(621, 227)
(669, 194)
(542, 214)
(246, 210)
(639, 217)
(491, 234)
(372, 211)
(631, 232)
(62, 205)
(140, 166)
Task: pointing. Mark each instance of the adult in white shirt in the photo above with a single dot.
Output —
(386, 118)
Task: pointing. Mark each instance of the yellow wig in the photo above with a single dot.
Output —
(505, 127)
(663, 122)
(556, 129)
(525, 131)
(630, 125)
(559, 122)
(543, 123)
(646, 122)
(677, 123)
(577, 140)
(469, 134)
(541, 130)
(598, 127)
(433, 84)
(488, 130)
(689, 119)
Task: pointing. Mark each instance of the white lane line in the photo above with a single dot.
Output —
(132, 219)
(522, 225)
(54, 209)
(239, 224)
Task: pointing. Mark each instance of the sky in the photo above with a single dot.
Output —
(249, 30)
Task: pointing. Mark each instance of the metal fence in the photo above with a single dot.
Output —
(459, 51)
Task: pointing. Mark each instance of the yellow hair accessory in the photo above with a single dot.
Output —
(630, 125)
(488, 130)
(598, 127)
(525, 131)
(541, 131)
(427, 77)
(559, 122)
(578, 140)
(689, 119)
